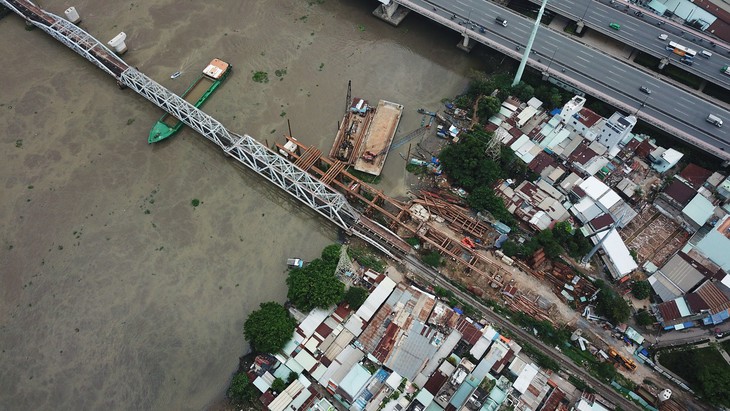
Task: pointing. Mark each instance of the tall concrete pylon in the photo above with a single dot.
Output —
(528, 48)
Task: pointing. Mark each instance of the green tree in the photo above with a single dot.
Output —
(611, 305)
(713, 384)
(331, 254)
(644, 318)
(237, 389)
(269, 328)
(641, 289)
(605, 371)
(510, 248)
(433, 259)
(467, 164)
(488, 106)
(315, 285)
(483, 198)
(355, 296)
(523, 91)
(278, 385)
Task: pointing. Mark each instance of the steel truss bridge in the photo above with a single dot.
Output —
(244, 148)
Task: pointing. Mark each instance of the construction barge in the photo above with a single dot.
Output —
(365, 135)
(207, 82)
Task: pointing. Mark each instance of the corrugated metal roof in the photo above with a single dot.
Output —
(312, 321)
(525, 378)
(681, 273)
(412, 350)
(712, 299)
(478, 350)
(461, 395)
(680, 192)
(376, 299)
(424, 397)
(663, 287)
(355, 325)
(355, 380)
(306, 360)
(716, 243)
(263, 382)
(617, 252)
(594, 187)
(695, 174)
(699, 210)
(435, 382)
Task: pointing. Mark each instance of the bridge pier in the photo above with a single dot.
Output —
(467, 44)
(391, 12)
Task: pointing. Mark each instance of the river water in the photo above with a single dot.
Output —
(117, 293)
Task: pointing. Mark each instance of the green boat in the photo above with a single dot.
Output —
(209, 80)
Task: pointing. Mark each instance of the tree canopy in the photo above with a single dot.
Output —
(315, 285)
(704, 370)
(355, 296)
(269, 328)
(611, 305)
(644, 318)
(641, 289)
(241, 388)
(561, 238)
(466, 163)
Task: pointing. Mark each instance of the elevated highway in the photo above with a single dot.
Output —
(642, 33)
(595, 72)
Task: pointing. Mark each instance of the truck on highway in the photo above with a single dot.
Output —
(711, 118)
(725, 70)
(207, 82)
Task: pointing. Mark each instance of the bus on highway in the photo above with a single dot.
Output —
(681, 50)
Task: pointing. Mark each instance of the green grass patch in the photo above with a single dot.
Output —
(366, 258)
(416, 169)
(704, 369)
(542, 359)
(413, 241)
(433, 259)
(261, 77)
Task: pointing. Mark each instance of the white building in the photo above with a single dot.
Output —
(615, 129)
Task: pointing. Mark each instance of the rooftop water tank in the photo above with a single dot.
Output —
(72, 15)
(117, 43)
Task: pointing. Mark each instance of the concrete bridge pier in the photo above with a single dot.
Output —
(391, 12)
(467, 44)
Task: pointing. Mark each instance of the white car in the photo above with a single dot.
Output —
(663, 36)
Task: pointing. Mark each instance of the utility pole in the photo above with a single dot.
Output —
(528, 48)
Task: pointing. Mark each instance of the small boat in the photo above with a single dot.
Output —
(295, 262)
(176, 74)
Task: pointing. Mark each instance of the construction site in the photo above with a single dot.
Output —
(365, 134)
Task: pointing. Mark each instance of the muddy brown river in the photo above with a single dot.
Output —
(117, 293)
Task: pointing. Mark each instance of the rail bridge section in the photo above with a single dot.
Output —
(244, 148)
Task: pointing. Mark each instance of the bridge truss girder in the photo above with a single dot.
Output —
(74, 38)
(249, 152)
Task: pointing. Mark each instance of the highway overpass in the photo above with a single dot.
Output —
(595, 72)
(642, 33)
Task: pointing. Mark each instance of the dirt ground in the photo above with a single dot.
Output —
(116, 292)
